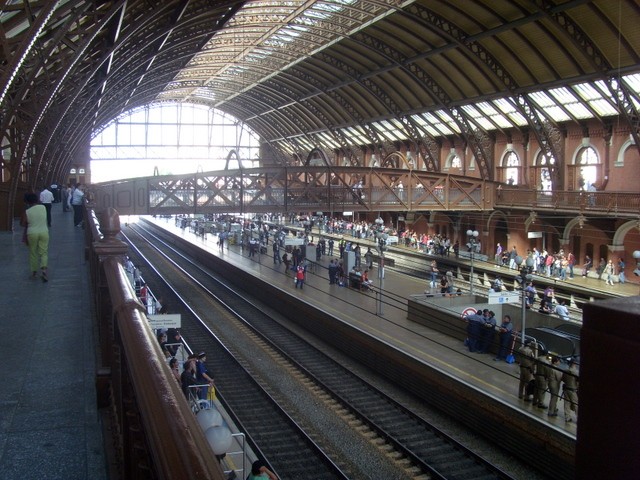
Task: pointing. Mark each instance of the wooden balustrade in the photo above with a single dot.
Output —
(155, 434)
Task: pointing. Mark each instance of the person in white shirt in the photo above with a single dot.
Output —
(77, 201)
(562, 311)
(46, 199)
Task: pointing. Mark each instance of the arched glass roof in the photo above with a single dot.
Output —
(331, 74)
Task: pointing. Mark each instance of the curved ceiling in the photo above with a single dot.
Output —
(302, 74)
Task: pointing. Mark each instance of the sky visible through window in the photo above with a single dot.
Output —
(171, 139)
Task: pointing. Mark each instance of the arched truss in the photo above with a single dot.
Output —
(306, 78)
(397, 160)
(233, 153)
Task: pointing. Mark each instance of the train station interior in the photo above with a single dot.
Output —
(494, 126)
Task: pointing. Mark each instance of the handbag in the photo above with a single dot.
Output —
(211, 394)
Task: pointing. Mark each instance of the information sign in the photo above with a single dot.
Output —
(167, 320)
(504, 297)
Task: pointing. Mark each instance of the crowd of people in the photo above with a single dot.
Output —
(541, 373)
(560, 265)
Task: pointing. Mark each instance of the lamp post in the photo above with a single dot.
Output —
(525, 277)
(471, 245)
(382, 242)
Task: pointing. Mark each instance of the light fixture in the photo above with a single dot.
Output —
(636, 255)
(581, 220)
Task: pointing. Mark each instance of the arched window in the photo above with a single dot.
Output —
(510, 168)
(545, 166)
(175, 137)
(587, 163)
(453, 161)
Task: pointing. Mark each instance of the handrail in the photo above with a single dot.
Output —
(156, 433)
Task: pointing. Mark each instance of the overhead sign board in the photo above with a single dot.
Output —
(504, 297)
(534, 234)
(166, 320)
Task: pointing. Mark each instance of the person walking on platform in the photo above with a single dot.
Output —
(504, 331)
(331, 247)
(512, 258)
(65, 198)
(498, 255)
(541, 375)
(621, 267)
(36, 236)
(571, 262)
(276, 253)
(609, 270)
(77, 200)
(368, 258)
(526, 370)
(333, 271)
(570, 392)
(300, 277)
(588, 264)
(46, 199)
(287, 263)
(554, 376)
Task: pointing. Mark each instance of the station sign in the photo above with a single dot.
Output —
(165, 320)
(504, 297)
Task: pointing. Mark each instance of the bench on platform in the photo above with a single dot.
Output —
(355, 281)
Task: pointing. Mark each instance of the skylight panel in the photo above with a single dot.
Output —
(542, 99)
(633, 81)
(328, 7)
(549, 106)
(507, 107)
(603, 107)
(316, 14)
(478, 117)
(568, 99)
(490, 110)
(354, 135)
(430, 123)
(329, 139)
(448, 123)
(562, 95)
(587, 92)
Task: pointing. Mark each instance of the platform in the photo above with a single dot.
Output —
(498, 380)
(49, 422)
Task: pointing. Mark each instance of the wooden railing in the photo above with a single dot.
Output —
(591, 202)
(154, 433)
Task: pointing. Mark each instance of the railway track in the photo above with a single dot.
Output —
(420, 450)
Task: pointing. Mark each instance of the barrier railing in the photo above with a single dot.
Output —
(155, 434)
